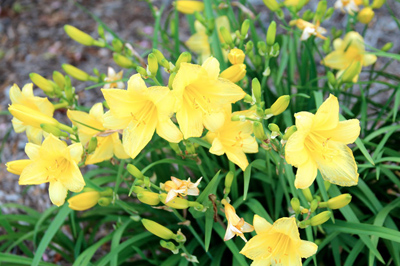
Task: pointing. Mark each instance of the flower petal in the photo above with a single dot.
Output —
(307, 249)
(237, 156)
(169, 131)
(346, 132)
(213, 121)
(211, 65)
(57, 193)
(34, 135)
(288, 227)
(136, 136)
(327, 116)
(103, 151)
(295, 152)
(33, 174)
(306, 174)
(118, 148)
(190, 121)
(76, 151)
(52, 146)
(261, 225)
(336, 60)
(217, 148)
(304, 121)
(369, 59)
(32, 150)
(72, 179)
(136, 83)
(113, 122)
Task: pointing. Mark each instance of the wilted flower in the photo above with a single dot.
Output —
(180, 187)
(236, 226)
(113, 76)
(349, 6)
(309, 29)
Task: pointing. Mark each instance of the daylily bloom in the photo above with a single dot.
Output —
(320, 142)
(201, 96)
(349, 6)
(277, 244)
(113, 76)
(180, 187)
(198, 42)
(29, 112)
(91, 125)
(348, 51)
(84, 201)
(234, 139)
(309, 29)
(189, 7)
(236, 226)
(56, 163)
(140, 111)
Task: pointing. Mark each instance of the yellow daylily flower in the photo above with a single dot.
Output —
(29, 112)
(54, 162)
(189, 7)
(277, 244)
(180, 187)
(348, 51)
(113, 76)
(309, 29)
(140, 111)
(236, 226)
(320, 142)
(236, 56)
(234, 139)
(198, 42)
(349, 6)
(201, 96)
(108, 142)
(366, 15)
(84, 201)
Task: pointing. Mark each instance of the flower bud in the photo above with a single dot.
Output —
(273, 127)
(271, 33)
(53, 130)
(158, 230)
(133, 170)
(339, 201)
(117, 45)
(301, 4)
(258, 130)
(197, 206)
(320, 12)
(248, 99)
(100, 31)
(104, 201)
(176, 203)
(351, 73)
(236, 56)
(245, 28)
(256, 90)
(304, 224)
(84, 201)
(327, 185)
(76, 72)
(366, 15)
(148, 197)
(169, 245)
(16, 167)
(376, 4)
(226, 35)
(329, 13)
(331, 78)
(313, 205)
(142, 71)
(307, 194)
(272, 5)
(189, 7)
(262, 48)
(78, 35)
(123, 61)
(137, 189)
(159, 55)
(228, 181)
(45, 84)
(185, 57)
(59, 79)
(175, 147)
(30, 116)
(92, 145)
(320, 218)
(234, 73)
(279, 106)
(387, 47)
(308, 15)
(295, 205)
(289, 132)
(152, 64)
(190, 149)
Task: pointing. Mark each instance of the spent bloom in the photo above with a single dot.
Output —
(349, 51)
(278, 243)
(309, 29)
(29, 112)
(320, 142)
(201, 96)
(140, 111)
(349, 6)
(113, 76)
(236, 226)
(91, 125)
(180, 187)
(54, 162)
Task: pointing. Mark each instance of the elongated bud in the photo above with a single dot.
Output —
(158, 230)
(307, 194)
(189, 7)
(53, 130)
(228, 181)
(313, 205)
(176, 203)
(273, 127)
(366, 15)
(351, 73)
(320, 218)
(42, 83)
(301, 4)
(256, 90)
(78, 35)
(338, 202)
(197, 206)
(185, 57)
(137, 189)
(159, 55)
(117, 45)
(387, 47)
(84, 201)
(30, 116)
(295, 205)
(104, 201)
(190, 149)
(327, 185)
(236, 56)
(304, 210)
(234, 73)
(329, 13)
(289, 132)
(377, 4)
(171, 80)
(134, 171)
(308, 15)
(226, 35)
(69, 90)
(59, 79)
(153, 64)
(245, 28)
(108, 192)
(142, 71)
(16, 167)
(249, 46)
(175, 147)
(320, 12)
(304, 224)
(100, 31)
(278, 107)
(164, 63)
(123, 61)
(272, 5)
(271, 33)
(169, 245)
(148, 197)
(262, 48)
(248, 99)
(76, 72)
(258, 130)
(92, 145)
(331, 78)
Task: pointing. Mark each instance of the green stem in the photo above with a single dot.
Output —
(60, 105)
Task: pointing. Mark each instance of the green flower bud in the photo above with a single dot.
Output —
(327, 185)
(59, 79)
(329, 13)
(108, 192)
(152, 64)
(45, 84)
(78, 35)
(100, 31)
(320, 218)
(279, 106)
(137, 189)
(159, 55)
(339, 201)
(321, 9)
(169, 245)
(272, 5)
(387, 47)
(331, 78)
(75, 72)
(92, 145)
(308, 15)
(377, 4)
(134, 171)
(226, 35)
(148, 197)
(304, 224)
(123, 61)
(185, 57)
(158, 230)
(295, 205)
(351, 73)
(117, 44)
(275, 50)
(104, 201)
(245, 28)
(273, 127)
(142, 72)
(53, 130)
(313, 205)
(259, 132)
(307, 194)
(256, 89)
(249, 46)
(262, 48)
(271, 33)
(248, 99)
(228, 181)
(176, 203)
(164, 63)
(289, 132)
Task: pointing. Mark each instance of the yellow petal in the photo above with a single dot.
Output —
(237, 156)
(72, 179)
(340, 169)
(169, 131)
(369, 59)
(124, 103)
(103, 151)
(256, 247)
(27, 90)
(16, 167)
(211, 65)
(295, 152)
(136, 136)
(250, 145)
(136, 83)
(57, 193)
(214, 121)
(33, 174)
(18, 126)
(187, 74)
(337, 44)
(327, 116)
(304, 121)
(34, 135)
(306, 174)
(84, 200)
(355, 40)
(76, 151)
(222, 92)
(217, 148)
(97, 111)
(336, 60)
(52, 145)
(189, 7)
(113, 122)
(15, 94)
(44, 106)
(32, 150)
(346, 132)
(118, 147)
(287, 226)
(307, 249)
(198, 43)
(262, 262)
(190, 121)
(261, 225)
